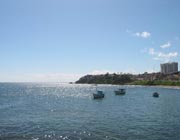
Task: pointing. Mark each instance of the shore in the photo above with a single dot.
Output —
(160, 86)
(157, 83)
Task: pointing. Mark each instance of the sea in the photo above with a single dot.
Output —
(56, 111)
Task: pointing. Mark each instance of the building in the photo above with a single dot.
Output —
(169, 68)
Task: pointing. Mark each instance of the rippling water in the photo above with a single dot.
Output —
(34, 111)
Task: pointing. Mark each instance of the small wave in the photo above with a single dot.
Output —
(35, 138)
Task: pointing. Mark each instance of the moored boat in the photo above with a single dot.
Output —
(120, 91)
(155, 94)
(98, 95)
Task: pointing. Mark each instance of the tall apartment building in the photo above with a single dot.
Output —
(168, 68)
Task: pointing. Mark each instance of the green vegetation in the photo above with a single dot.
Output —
(129, 79)
(106, 79)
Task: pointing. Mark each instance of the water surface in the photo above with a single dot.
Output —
(53, 111)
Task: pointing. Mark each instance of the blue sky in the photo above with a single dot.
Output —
(61, 40)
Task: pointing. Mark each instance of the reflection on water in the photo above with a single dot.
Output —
(53, 111)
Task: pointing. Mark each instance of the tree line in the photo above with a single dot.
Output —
(106, 79)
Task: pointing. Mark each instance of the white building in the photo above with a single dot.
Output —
(168, 68)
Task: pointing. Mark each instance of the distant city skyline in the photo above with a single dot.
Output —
(60, 40)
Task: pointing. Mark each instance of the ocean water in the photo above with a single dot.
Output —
(53, 111)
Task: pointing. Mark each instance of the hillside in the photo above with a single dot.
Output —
(151, 79)
(106, 79)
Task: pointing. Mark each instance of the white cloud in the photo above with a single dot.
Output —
(145, 34)
(131, 71)
(142, 34)
(167, 45)
(157, 58)
(41, 77)
(152, 51)
(57, 77)
(97, 72)
(167, 55)
(150, 70)
(162, 56)
(137, 34)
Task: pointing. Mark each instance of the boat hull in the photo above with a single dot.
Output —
(98, 96)
(119, 92)
(155, 94)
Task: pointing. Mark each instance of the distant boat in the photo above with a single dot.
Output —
(99, 94)
(155, 94)
(120, 91)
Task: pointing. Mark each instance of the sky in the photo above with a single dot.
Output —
(62, 40)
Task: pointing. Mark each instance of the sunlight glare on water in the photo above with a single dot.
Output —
(49, 111)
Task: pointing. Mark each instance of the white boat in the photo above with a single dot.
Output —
(120, 91)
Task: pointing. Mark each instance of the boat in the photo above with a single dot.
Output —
(98, 95)
(120, 91)
(155, 94)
